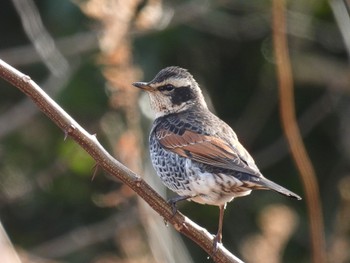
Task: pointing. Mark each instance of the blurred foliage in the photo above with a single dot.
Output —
(46, 192)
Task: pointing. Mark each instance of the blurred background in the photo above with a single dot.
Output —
(86, 54)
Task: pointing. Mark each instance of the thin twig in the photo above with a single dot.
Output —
(309, 119)
(21, 113)
(68, 243)
(70, 46)
(104, 160)
(293, 135)
(41, 39)
(342, 16)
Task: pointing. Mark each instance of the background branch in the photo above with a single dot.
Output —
(290, 126)
(103, 159)
(41, 39)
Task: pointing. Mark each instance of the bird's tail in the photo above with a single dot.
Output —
(267, 184)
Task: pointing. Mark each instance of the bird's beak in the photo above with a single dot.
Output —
(142, 85)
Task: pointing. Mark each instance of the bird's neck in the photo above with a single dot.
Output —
(199, 106)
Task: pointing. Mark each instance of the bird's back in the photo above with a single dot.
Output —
(202, 122)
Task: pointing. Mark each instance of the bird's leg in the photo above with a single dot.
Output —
(172, 201)
(218, 237)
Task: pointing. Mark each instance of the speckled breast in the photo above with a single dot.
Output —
(170, 167)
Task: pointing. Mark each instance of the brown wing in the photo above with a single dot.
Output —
(205, 149)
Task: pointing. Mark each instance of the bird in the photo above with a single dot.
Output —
(195, 153)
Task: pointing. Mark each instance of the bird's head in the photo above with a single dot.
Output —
(172, 90)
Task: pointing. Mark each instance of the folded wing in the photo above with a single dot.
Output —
(206, 149)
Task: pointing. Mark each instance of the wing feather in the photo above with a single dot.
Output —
(206, 149)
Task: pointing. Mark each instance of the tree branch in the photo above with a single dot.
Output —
(103, 159)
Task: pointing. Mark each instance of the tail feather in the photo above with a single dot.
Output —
(277, 188)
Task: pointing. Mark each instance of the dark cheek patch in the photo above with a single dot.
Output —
(182, 94)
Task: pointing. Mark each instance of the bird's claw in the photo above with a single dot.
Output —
(216, 242)
(172, 202)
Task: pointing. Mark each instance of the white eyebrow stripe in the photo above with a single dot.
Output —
(176, 82)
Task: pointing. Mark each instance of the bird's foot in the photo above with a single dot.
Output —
(217, 240)
(173, 201)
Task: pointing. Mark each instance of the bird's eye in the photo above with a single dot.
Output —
(167, 87)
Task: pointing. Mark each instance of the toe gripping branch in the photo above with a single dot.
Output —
(173, 201)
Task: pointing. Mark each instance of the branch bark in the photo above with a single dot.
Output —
(104, 160)
(293, 135)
